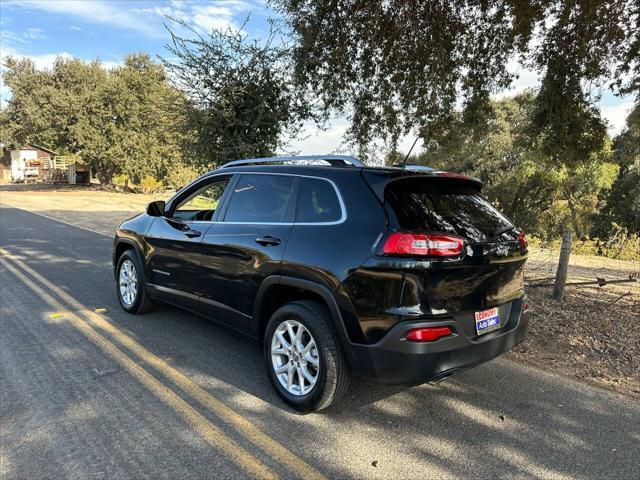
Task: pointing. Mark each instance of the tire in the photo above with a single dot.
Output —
(140, 302)
(332, 374)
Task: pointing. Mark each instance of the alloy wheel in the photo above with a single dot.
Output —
(128, 281)
(294, 357)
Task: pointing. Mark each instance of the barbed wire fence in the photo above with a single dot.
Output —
(609, 280)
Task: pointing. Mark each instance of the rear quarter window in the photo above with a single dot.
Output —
(443, 206)
(317, 202)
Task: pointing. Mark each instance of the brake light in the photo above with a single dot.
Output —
(523, 240)
(453, 175)
(428, 334)
(400, 243)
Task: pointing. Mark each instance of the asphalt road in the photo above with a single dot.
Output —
(171, 395)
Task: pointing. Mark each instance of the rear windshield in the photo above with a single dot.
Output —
(440, 205)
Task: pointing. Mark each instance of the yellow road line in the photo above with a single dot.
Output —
(212, 434)
(274, 449)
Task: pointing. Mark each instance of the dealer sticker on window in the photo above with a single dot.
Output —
(487, 321)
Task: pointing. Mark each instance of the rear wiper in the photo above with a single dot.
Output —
(500, 231)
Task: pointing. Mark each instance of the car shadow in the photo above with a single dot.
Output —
(499, 419)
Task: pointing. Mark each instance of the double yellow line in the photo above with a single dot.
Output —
(93, 326)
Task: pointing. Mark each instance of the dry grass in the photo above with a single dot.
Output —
(593, 336)
(88, 207)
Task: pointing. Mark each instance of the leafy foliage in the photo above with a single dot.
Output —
(622, 207)
(150, 185)
(394, 65)
(180, 174)
(124, 120)
(241, 100)
(539, 194)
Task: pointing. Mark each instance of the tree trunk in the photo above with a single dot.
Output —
(574, 217)
(563, 267)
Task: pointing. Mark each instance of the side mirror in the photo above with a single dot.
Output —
(155, 209)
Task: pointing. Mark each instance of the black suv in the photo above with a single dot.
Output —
(398, 275)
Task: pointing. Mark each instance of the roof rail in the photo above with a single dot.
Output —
(333, 160)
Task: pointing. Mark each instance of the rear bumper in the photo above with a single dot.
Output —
(395, 361)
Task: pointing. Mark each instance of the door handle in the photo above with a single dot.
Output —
(192, 233)
(268, 241)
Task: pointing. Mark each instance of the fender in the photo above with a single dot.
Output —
(310, 286)
(129, 241)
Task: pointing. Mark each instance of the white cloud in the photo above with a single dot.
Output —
(313, 140)
(220, 14)
(146, 17)
(8, 40)
(34, 33)
(43, 61)
(46, 61)
(75, 28)
(110, 64)
(95, 11)
(208, 23)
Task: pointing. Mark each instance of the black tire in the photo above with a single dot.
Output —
(142, 303)
(333, 375)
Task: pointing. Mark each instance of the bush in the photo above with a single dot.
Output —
(150, 185)
(621, 245)
(121, 180)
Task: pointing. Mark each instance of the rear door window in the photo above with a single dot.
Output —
(260, 199)
(317, 202)
(439, 205)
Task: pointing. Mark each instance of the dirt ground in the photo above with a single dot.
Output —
(89, 207)
(593, 336)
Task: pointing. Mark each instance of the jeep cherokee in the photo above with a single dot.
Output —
(397, 275)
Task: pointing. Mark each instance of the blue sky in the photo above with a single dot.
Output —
(109, 29)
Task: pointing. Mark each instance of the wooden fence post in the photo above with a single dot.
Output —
(563, 266)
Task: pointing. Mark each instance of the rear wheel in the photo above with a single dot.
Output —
(304, 359)
(130, 289)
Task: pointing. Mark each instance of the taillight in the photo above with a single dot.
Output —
(523, 240)
(428, 334)
(400, 243)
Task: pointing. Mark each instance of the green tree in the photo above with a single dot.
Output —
(123, 120)
(622, 204)
(241, 100)
(394, 66)
(537, 193)
(149, 118)
(31, 105)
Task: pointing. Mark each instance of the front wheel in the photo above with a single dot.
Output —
(304, 359)
(130, 289)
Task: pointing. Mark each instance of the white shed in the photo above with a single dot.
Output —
(19, 169)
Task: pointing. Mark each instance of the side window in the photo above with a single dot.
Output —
(201, 204)
(317, 202)
(260, 198)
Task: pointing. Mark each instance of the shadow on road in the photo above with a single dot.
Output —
(500, 419)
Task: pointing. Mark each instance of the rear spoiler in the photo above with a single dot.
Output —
(378, 178)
